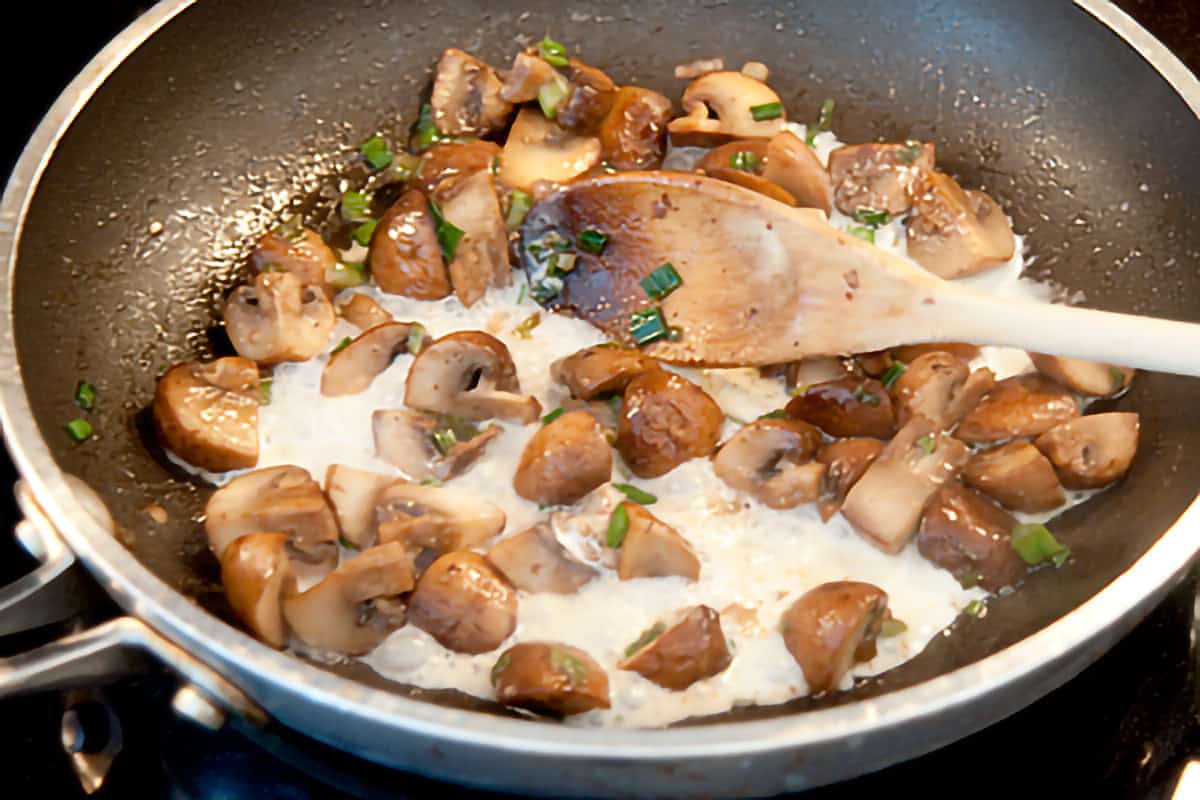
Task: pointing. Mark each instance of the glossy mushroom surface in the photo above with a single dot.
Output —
(847, 406)
(1092, 451)
(966, 534)
(675, 656)
(567, 458)
(207, 414)
(550, 678)
(600, 370)
(771, 460)
(254, 572)
(278, 319)
(535, 561)
(666, 420)
(469, 374)
(831, 627)
(464, 603)
(1017, 476)
(466, 97)
(405, 256)
(352, 368)
(1024, 405)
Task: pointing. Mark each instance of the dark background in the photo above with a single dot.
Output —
(1124, 728)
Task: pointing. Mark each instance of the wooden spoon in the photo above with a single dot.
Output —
(766, 283)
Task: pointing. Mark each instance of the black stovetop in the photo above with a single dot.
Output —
(1123, 728)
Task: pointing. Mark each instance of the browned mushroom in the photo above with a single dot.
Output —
(550, 678)
(449, 159)
(529, 73)
(600, 369)
(832, 626)
(717, 108)
(969, 536)
(1023, 405)
(278, 319)
(634, 132)
(535, 561)
(675, 656)
(468, 374)
(793, 165)
(207, 414)
(653, 549)
(538, 150)
(1092, 451)
(589, 99)
(564, 460)
(909, 353)
(481, 258)
(847, 406)
(301, 252)
(363, 312)
(743, 162)
(885, 504)
(354, 494)
(441, 519)
(665, 421)
(771, 460)
(466, 97)
(845, 462)
(955, 233)
(254, 573)
(425, 447)
(464, 603)
(1085, 377)
(405, 256)
(940, 387)
(1017, 476)
(880, 177)
(352, 368)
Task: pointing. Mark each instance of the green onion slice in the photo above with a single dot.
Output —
(362, 234)
(85, 395)
(892, 627)
(551, 95)
(647, 636)
(778, 413)
(341, 346)
(434, 482)
(974, 608)
(639, 496)
(264, 392)
(568, 665)
(519, 204)
(927, 443)
(661, 282)
(870, 217)
(406, 167)
(911, 151)
(291, 229)
(448, 234)
(618, 526)
(647, 326)
(592, 241)
(862, 232)
(498, 669)
(376, 152)
(1117, 375)
(546, 289)
(863, 396)
(553, 415)
(346, 275)
(525, 329)
(968, 579)
(521, 293)
(356, 206)
(416, 337)
(893, 374)
(1035, 544)
(445, 439)
(426, 134)
(744, 160)
(79, 429)
(553, 53)
(825, 115)
(767, 111)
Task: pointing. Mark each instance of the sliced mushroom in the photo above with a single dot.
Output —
(464, 603)
(600, 369)
(634, 132)
(466, 97)
(771, 460)
(885, 504)
(363, 312)
(424, 447)
(356, 606)
(719, 163)
(941, 388)
(468, 374)
(792, 165)
(909, 353)
(405, 255)
(653, 549)
(207, 414)
(881, 177)
(845, 462)
(1085, 377)
(665, 421)
(352, 369)
(441, 519)
(278, 319)
(481, 258)
(303, 254)
(691, 649)
(589, 99)
(969, 536)
(831, 627)
(538, 150)
(1017, 476)
(1023, 405)
(550, 678)
(847, 406)
(717, 107)
(956, 233)
(535, 561)
(450, 159)
(354, 494)
(529, 73)
(254, 572)
(565, 459)
(810, 371)
(1092, 451)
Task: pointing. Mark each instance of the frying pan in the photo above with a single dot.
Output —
(126, 219)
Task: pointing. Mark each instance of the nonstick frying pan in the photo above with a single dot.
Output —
(126, 218)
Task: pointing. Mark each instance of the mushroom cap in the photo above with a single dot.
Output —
(589, 101)
(464, 603)
(1092, 451)
(352, 369)
(564, 460)
(600, 369)
(828, 625)
(468, 374)
(1023, 405)
(405, 439)
(793, 166)
(353, 493)
(538, 150)
(956, 233)
(535, 561)
(770, 459)
(849, 406)
(882, 177)
(653, 549)
(1017, 476)
(718, 163)
(845, 462)
(968, 535)
(1085, 377)
(363, 312)
(305, 255)
(254, 573)
(405, 255)
(909, 353)
(278, 319)
(550, 678)
(439, 518)
(665, 421)
(466, 97)
(634, 132)
(450, 159)
(941, 387)
(691, 649)
(727, 96)
(207, 414)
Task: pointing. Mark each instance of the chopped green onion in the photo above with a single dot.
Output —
(553, 53)
(639, 496)
(927, 443)
(649, 635)
(416, 337)
(519, 204)
(79, 429)
(376, 152)
(974, 608)
(362, 234)
(863, 396)
(893, 374)
(778, 413)
(426, 135)
(521, 293)
(346, 275)
(968, 579)
(661, 282)
(799, 390)
(824, 122)
(568, 665)
(498, 669)
(434, 482)
(911, 151)
(406, 167)
(1035, 544)
(346, 543)
(862, 232)
(546, 289)
(85, 395)
(340, 346)
(1118, 378)
(448, 234)
(356, 206)
(614, 402)
(592, 241)
(744, 160)
(273, 267)
(871, 217)
(551, 94)
(525, 329)
(767, 111)
(892, 627)
(264, 392)
(647, 326)
(291, 229)
(445, 439)
(618, 526)
(553, 415)
(494, 165)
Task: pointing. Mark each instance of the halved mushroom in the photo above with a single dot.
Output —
(363, 312)
(356, 606)
(600, 369)
(425, 447)
(845, 462)
(481, 258)
(1089, 378)
(354, 494)
(278, 319)
(529, 73)
(538, 150)
(718, 108)
(441, 519)
(665, 421)
(793, 165)
(1023, 405)
(634, 132)
(881, 177)
(885, 504)
(1092, 451)
(352, 368)
(847, 406)
(771, 460)
(675, 656)
(450, 159)
(564, 460)
(653, 549)
(969, 536)
(956, 233)
(1017, 476)
(589, 99)
(550, 678)
(207, 414)
(749, 156)
(254, 572)
(405, 255)
(464, 603)
(466, 97)
(941, 388)
(468, 374)
(302, 253)
(831, 627)
(535, 561)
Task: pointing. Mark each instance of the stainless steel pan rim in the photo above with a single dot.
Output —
(1105, 617)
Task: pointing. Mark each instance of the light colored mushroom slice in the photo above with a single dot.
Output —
(538, 150)
(481, 258)
(207, 414)
(792, 165)
(881, 177)
(848, 406)
(811, 371)
(535, 561)
(466, 98)
(941, 388)
(363, 312)
(450, 159)
(301, 252)
(600, 369)
(278, 319)
(718, 108)
(550, 678)
(254, 573)
(743, 162)
(634, 132)
(441, 519)
(653, 549)
(956, 233)
(425, 447)
(845, 462)
(464, 603)
(1023, 405)
(885, 504)
(967, 535)
(771, 460)
(702, 66)
(665, 421)
(1085, 377)
(1092, 451)
(354, 494)
(589, 100)
(529, 74)
(352, 368)
(356, 606)
(564, 460)
(675, 656)
(831, 627)
(1017, 476)
(405, 255)
(468, 374)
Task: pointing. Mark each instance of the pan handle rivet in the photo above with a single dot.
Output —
(190, 703)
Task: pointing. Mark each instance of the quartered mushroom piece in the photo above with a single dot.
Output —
(653, 549)
(845, 462)
(301, 252)
(480, 259)
(940, 387)
(437, 518)
(278, 319)
(567, 458)
(469, 374)
(450, 159)
(466, 98)
(207, 414)
(717, 108)
(665, 421)
(535, 561)
(1023, 405)
(676, 655)
(1092, 451)
(831, 627)
(633, 134)
(849, 406)
(405, 256)
(354, 494)
(352, 369)
(1085, 377)
(464, 603)
(363, 312)
(771, 460)
(426, 447)
(1017, 476)
(881, 177)
(539, 150)
(550, 678)
(600, 370)
(254, 573)
(529, 73)
(589, 99)
(969, 536)
(955, 233)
